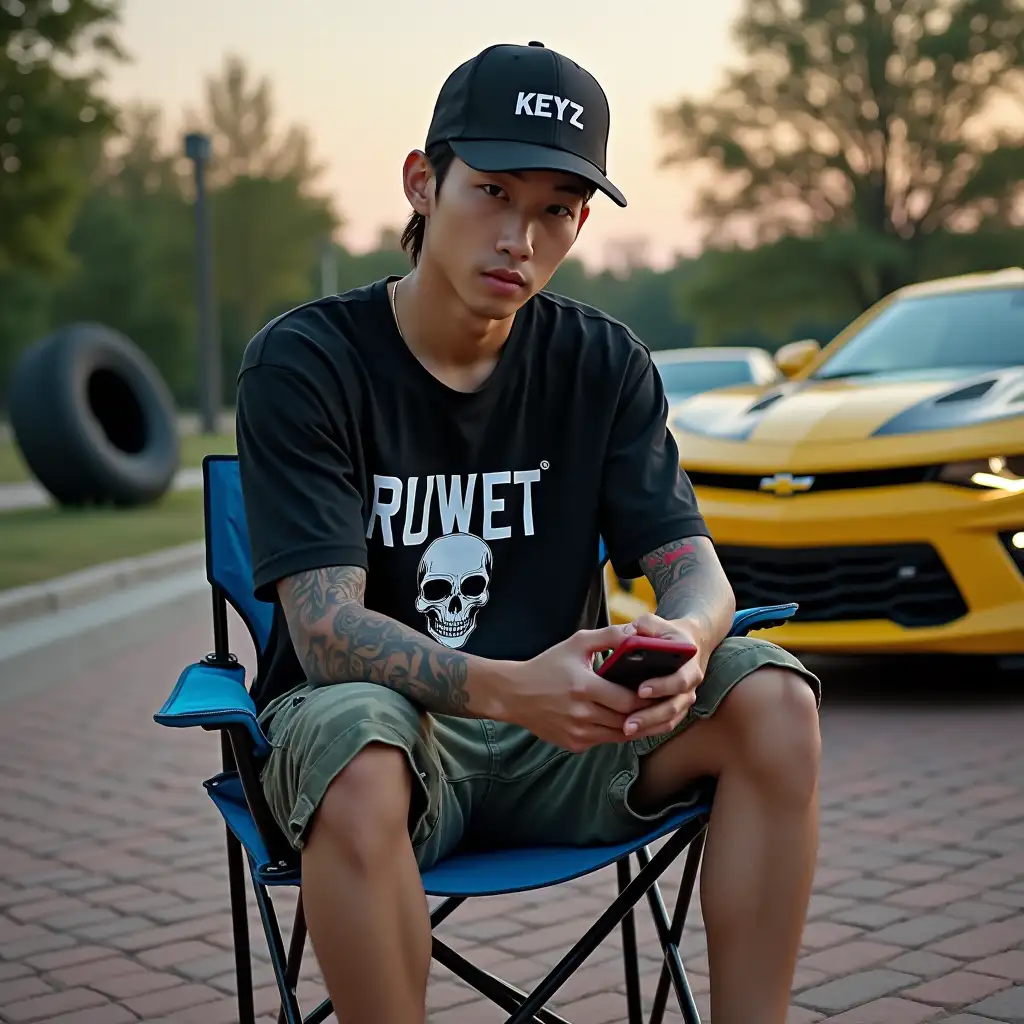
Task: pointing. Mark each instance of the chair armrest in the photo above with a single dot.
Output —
(761, 618)
(213, 697)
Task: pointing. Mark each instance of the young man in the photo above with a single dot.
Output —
(428, 465)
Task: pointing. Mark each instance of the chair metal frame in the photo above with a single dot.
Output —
(212, 694)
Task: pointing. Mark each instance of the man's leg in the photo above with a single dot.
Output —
(367, 915)
(762, 744)
(354, 779)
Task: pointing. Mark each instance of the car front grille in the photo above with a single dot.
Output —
(904, 583)
(855, 479)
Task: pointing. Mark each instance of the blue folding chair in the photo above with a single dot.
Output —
(212, 694)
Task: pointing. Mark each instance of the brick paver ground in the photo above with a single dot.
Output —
(113, 902)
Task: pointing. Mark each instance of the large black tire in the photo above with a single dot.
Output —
(93, 418)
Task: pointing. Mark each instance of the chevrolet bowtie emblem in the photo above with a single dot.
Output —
(785, 485)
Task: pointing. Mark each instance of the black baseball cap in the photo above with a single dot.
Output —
(525, 108)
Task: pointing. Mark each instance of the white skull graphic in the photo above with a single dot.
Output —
(454, 579)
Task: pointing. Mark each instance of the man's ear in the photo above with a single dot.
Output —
(584, 214)
(418, 180)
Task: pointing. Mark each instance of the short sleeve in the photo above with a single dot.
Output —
(302, 504)
(646, 498)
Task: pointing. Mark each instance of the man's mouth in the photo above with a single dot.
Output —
(511, 278)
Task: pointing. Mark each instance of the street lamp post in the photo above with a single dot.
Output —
(197, 149)
(328, 267)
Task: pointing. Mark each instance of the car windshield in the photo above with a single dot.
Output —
(691, 375)
(968, 330)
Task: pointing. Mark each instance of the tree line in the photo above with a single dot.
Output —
(860, 145)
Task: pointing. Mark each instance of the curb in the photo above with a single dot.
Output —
(76, 588)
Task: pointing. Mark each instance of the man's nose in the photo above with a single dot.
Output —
(517, 238)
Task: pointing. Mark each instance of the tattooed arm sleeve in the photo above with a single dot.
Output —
(339, 640)
(689, 583)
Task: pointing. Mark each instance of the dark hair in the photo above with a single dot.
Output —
(440, 155)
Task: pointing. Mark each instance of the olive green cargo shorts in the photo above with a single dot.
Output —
(478, 782)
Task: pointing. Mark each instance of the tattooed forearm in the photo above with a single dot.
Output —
(689, 582)
(312, 594)
(338, 640)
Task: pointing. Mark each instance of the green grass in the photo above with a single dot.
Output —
(12, 469)
(193, 447)
(42, 543)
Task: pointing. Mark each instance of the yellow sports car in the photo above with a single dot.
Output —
(881, 485)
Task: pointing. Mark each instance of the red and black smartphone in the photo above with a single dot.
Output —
(639, 658)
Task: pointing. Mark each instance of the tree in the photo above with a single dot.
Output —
(239, 118)
(52, 123)
(136, 161)
(269, 221)
(133, 246)
(865, 144)
(266, 236)
(622, 256)
(639, 296)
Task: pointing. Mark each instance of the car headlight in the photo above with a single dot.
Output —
(1014, 543)
(1001, 473)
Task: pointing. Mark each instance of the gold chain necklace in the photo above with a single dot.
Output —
(393, 295)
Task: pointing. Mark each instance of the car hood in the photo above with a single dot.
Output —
(845, 416)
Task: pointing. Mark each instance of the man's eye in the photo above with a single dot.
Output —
(560, 211)
(492, 190)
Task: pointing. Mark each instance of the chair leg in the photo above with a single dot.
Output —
(275, 945)
(445, 910)
(634, 1005)
(240, 929)
(320, 1014)
(296, 944)
(672, 970)
(500, 992)
(604, 925)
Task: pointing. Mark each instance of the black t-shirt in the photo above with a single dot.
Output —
(476, 515)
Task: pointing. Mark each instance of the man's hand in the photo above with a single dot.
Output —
(673, 695)
(559, 697)
(696, 605)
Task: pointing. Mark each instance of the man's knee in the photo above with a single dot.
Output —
(773, 716)
(364, 812)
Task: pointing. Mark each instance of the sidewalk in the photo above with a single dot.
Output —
(32, 495)
(113, 897)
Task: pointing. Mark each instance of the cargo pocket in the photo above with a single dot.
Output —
(425, 804)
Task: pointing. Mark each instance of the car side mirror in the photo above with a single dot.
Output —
(797, 355)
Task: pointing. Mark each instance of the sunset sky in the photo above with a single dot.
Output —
(363, 77)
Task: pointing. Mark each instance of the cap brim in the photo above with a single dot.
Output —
(503, 156)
